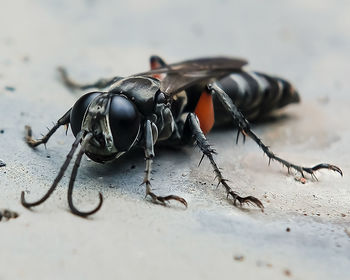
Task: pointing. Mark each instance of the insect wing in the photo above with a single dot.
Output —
(180, 76)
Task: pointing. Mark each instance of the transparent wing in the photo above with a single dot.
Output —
(182, 75)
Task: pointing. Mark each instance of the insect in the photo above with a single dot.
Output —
(175, 104)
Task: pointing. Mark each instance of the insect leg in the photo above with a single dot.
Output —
(8, 214)
(244, 128)
(72, 179)
(58, 177)
(33, 143)
(208, 151)
(69, 83)
(149, 155)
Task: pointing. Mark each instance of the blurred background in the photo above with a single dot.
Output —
(306, 42)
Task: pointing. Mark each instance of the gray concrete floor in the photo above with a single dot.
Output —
(130, 238)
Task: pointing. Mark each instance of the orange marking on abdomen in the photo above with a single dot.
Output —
(205, 112)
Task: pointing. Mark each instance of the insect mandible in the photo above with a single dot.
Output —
(175, 104)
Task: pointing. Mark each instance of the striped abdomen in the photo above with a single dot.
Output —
(255, 94)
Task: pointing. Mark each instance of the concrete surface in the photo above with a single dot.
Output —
(130, 238)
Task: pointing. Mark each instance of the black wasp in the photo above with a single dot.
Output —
(175, 104)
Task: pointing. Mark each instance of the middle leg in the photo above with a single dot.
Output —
(208, 151)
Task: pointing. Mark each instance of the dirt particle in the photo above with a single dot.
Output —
(2, 163)
(8, 214)
(287, 229)
(238, 258)
(301, 180)
(2, 131)
(343, 215)
(26, 58)
(9, 88)
(287, 272)
(133, 166)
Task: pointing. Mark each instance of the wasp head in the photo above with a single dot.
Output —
(113, 120)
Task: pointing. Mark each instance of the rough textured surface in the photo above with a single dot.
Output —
(304, 232)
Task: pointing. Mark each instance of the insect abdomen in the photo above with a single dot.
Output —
(255, 94)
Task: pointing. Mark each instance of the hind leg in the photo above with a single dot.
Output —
(100, 84)
(244, 128)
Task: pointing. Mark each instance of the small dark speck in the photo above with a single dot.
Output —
(2, 131)
(10, 88)
(133, 166)
(287, 272)
(48, 156)
(238, 258)
(287, 229)
(2, 163)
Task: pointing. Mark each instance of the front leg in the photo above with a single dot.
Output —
(64, 120)
(244, 128)
(193, 124)
(149, 155)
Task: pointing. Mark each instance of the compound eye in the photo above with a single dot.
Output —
(78, 111)
(160, 98)
(124, 121)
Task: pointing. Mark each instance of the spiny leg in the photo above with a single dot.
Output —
(244, 128)
(58, 177)
(69, 83)
(72, 179)
(64, 120)
(8, 214)
(208, 151)
(149, 155)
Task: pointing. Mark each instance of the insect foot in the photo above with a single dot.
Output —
(249, 200)
(162, 199)
(245, 200)
(8, 214)
(312, 170)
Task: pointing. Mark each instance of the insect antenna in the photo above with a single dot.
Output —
(72, 179)
(58, 178)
